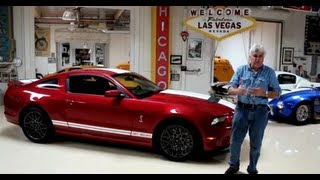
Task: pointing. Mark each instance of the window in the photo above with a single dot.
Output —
(89, 84)
(286, 79)
(51, 83)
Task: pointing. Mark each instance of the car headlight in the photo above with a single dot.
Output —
(280, 104)
(226, 118)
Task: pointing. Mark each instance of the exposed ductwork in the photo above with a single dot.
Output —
(112, 19)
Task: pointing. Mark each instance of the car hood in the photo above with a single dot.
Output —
(191, 98)
(299, 93)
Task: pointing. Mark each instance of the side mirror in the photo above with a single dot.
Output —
(113, 93)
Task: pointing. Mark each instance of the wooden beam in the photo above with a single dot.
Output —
(118, 14)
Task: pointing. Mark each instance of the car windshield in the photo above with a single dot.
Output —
(138, 85)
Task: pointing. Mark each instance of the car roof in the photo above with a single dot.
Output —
(109, 71)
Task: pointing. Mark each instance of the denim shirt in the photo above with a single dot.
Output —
(265, 78)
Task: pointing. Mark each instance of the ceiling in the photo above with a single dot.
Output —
(113, 19)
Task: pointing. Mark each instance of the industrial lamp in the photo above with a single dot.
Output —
(68, 16)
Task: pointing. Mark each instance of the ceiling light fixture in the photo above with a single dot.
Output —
(72, 27)
(68, 16)
(103, 27)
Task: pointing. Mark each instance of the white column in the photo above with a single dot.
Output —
(141, 39)
(23, 30)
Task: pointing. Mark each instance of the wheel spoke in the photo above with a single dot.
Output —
(35, 125)
(176, 141)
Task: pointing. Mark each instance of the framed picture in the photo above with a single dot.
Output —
(175, 77)
(194, 49)
(42, 42)
(176, 59)
(287, 55)
(312, 36)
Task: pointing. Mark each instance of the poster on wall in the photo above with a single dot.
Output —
(312, 36)
(99, 53)
(66, 53)
(6, 40)
(83, 57)
(42, 42)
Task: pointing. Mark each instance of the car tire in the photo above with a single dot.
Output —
(302, 114)
(178, 141)
(37, 126)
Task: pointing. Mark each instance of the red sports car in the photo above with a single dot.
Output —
(119, 106)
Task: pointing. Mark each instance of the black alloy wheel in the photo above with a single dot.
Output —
(177, 142)
(36, 126)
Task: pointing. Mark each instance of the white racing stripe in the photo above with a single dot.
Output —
(102, 129)
(59, 123)
(198, 95)
(118, 71)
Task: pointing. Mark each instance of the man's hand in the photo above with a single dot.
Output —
(257, 92)
(237, 91)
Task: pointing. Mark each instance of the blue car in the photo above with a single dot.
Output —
(301, 106)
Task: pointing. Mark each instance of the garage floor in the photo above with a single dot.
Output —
(287, 149)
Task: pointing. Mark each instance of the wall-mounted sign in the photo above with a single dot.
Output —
(161, 51)
(220, 23)
(303, 8)
(184, 35)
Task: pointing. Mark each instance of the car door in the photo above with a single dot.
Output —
(90, 112)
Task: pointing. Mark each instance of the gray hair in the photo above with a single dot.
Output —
(257, 48)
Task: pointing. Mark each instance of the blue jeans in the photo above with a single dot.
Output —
(256, 121)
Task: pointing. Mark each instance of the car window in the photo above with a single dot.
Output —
(89, 84)
(137, 85)
(286, 79)
(51, 83)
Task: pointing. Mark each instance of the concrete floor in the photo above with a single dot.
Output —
(287, 149)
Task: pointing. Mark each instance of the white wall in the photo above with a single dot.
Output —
(293, 36)
(119, 49)
(141, 38)
(235, 49)
(140, 33)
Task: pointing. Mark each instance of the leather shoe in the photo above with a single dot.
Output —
(253, 172)
(231, 170)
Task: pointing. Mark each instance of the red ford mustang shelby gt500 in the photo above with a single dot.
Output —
(119, 106)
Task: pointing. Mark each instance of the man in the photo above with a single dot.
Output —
(254, 83)
(301, 72)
